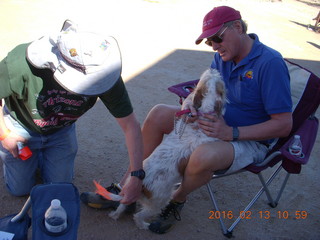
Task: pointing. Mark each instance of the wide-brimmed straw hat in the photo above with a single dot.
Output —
(82, 62)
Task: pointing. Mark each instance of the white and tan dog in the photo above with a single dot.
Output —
(162, 165)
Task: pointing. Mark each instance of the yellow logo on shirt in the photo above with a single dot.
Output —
(249, 74)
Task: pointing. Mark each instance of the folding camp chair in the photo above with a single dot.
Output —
(15, 230)
(305, 90)
(39, 200)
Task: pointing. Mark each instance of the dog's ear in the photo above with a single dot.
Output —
(197, 99)
(220, 96)
(199, 93)
(218, 107)
(220, 89)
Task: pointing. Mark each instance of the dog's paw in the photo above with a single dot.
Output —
(118, 212)
(114, 215)
(139, 221)
(142, 225)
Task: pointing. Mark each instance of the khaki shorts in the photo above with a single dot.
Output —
(246, 153)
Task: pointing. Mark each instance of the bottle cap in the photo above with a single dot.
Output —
(55, 203)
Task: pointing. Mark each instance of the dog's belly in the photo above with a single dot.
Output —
(161, 166)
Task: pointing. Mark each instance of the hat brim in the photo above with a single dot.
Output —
(208, 33)
(44, 53)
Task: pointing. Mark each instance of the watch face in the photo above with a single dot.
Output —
(142, 174)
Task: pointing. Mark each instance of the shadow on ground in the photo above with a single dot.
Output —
(102, 156)
(154, 81)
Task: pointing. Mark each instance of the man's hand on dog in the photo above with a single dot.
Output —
(214, 126)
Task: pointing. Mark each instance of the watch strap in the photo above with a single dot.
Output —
(139, 174)
(235, 134)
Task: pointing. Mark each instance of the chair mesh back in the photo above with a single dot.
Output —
(305, 91)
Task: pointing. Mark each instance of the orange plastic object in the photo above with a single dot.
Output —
(25, 153)
(104, 193)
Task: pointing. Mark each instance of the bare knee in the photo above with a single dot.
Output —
(158, 123)
(160, 117)
(211, 157)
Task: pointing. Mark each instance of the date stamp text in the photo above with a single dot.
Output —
(258, 215)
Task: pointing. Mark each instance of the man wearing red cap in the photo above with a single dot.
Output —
(258, 109)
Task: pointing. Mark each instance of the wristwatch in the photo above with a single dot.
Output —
(235, 133)
(139, 174)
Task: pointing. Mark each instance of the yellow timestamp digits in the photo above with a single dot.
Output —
(258, 215)
(284, 214)
(221, 214)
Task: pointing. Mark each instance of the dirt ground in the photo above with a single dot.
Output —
(156, 38)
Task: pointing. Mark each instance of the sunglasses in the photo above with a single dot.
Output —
(215, 38)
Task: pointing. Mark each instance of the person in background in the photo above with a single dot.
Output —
(316, 24)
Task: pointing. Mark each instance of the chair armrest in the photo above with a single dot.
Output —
(308, 134)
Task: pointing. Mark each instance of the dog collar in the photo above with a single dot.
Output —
(188, 111)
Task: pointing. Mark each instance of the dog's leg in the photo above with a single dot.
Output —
(139, 219)
(117, 213)
(150, 208)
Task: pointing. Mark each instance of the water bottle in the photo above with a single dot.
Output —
(55, 217)
(295, 148)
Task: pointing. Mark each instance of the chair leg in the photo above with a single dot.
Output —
(23, 211)
(257, 196)
(216, 208)
(265, 188)
(282, 187)
(273, 203)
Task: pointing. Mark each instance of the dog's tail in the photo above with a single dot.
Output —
(106, 194)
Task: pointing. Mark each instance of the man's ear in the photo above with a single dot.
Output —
(238, 26)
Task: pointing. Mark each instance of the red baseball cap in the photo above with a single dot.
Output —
(215, 19)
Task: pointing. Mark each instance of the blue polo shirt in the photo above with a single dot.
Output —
(257, 87)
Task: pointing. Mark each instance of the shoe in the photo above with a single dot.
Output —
(166, 220)
(94, 200)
